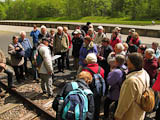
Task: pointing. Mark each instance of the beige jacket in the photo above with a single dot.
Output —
(12, 52)
(60, 43)
(47, 59)
(99, 37)
(130, 95)
(2, 59)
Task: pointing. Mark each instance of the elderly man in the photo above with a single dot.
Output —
(46, 69)
(136, 81)
(150, 64)
(100, 35)
(77, 42)
(16, 61)
(25, 42)
(61, 46)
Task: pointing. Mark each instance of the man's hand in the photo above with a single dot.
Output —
(17, 48)
(3, 65)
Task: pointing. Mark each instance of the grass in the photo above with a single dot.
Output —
(99, 19)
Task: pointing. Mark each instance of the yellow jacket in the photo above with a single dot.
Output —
(130, 95)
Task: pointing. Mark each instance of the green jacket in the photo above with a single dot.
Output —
(61, 43)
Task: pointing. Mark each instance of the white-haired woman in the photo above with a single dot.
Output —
(43, 33)
(150, 64)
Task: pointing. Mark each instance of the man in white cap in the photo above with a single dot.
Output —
(100, 35)
(60, 46)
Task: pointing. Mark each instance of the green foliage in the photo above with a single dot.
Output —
(76, 9)
(2, 12)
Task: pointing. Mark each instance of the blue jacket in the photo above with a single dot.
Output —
(34, 35)
(84, 52)
(157, 53)
(27, 46)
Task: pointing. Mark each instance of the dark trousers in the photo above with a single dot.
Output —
(18, 72)
(9, 77)
(158, 113)
(67, 59)
(61, 60)
(97, 103)
(25, 64)
(107, 103)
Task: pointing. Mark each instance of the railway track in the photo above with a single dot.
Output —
(39, 110)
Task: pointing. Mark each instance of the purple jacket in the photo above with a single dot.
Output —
(84, 52)
(114, 79)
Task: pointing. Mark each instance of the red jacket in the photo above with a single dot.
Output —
(114, 42)
(151, 67)
(156, 86)
(94, 67)
(70, 40)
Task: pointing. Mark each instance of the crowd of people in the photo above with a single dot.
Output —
(106, 68)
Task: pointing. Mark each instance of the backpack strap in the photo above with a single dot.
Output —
(74, 85)
(89, 70)
(99, 70)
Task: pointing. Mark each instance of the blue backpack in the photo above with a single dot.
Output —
(98, 85)
(75, 105)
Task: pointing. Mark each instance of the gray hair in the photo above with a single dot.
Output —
(120, 59)
(22, 32)
(120, 46)
(60, 28)
(150, 51)
(43, 26)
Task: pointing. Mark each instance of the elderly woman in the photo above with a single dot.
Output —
(118, 49)
(93, 67)
(83, 80)
(114, 38)
(155, 46)
(132, 89)
(87, 47)
(43, 33)
(134, 42)
(150, 64)
(16, 60)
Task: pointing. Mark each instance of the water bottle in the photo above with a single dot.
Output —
(60, 106)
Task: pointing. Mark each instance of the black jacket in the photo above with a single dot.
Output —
(77, 43)
(67, 88)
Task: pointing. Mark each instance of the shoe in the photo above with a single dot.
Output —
(44, 92)
(50, 96)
